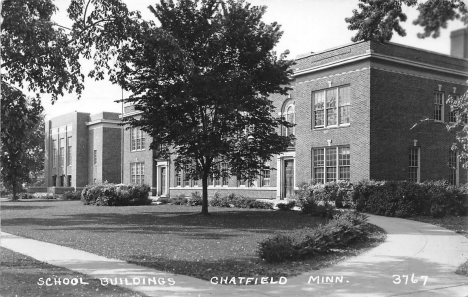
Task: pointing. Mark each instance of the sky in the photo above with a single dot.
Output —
(308, 26)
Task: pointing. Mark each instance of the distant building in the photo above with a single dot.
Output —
(82, 149)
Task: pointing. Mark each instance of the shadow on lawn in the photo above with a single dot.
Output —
(184, 223)
(22, 207)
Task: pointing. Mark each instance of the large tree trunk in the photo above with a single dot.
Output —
(205, 194)
(13, 190)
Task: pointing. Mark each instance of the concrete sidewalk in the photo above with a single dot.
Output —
(412, 249)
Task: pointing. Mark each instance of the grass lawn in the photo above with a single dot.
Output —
(457, 224)
(171, 238)
(20, 275)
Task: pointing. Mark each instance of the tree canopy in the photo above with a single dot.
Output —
(22, 138)
(202, 80)
(377, 19)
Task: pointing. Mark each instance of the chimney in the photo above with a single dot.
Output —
(459, 43)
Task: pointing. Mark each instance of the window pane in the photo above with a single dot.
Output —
(319, 121)
(344, 96)
(344, 156)
(344, 173)
(438, 104)
(331, 107)
(318, 175)
(331, 174)
(344, 114)
(318, 158)
(330, 157)
(318, 106)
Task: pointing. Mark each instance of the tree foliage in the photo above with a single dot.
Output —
(377, 19)
(44, 57)
(22, 138)
(202, 81)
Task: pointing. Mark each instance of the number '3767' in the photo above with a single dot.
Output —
(405, 279)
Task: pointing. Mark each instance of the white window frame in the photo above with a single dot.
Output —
(337, 108)
(411, 165)
(137, 173)
(454, 166)
(137, 139)
(324, 165)
(438, 103)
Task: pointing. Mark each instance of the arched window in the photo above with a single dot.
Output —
(290, 116)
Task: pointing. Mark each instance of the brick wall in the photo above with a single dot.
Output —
(398, 102)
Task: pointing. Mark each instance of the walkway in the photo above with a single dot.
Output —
(412, 249)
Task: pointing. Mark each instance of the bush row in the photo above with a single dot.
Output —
(406, 199)
(346, 227)
(116, 195)
(238, 201)
(389, 198)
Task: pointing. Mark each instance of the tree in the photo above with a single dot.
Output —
(44, 57)
(377, 19)
(20, 138)
(202, 80)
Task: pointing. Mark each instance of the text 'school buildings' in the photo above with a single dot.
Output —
(354, 107)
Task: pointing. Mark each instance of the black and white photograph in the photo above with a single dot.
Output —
(258, 148)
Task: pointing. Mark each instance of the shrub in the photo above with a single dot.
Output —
(116, 195)
(406, 199)
(233, 200)
(75, 195)
(195, 199)
(26, 196)
(345, 228)
(178, 200)
(286, 206)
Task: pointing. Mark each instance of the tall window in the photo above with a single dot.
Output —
(62, 156)
(69, 152)
(186, 178)
(331, 107)
(178, 179)
(95, 157)
(439, 106)
(453, 167)
(265, 178)
(413, 175)
(54, 153)
(224, 172)
(137, 139)
(137, 173)
(331, 164)
(289, 116)
(453, 113)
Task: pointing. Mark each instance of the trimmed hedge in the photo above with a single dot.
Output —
(388, 198)
(407, 199)
(238, 201)
(345, 228)
(75, 195)
(116, 195)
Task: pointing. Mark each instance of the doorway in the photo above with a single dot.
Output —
(288, 181)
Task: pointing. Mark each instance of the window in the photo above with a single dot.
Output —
(224, 172)
(331, 164)
(95, 157)
(54, 153)
(137, 139)
(289, 116)
(186, 178)
(331, 107)
(439, 106)
(69, 152)
(178, 179)
(413, 175)
(137, 173)
(265, 178)
(453, 115)
(453, 165)
(62, 156)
